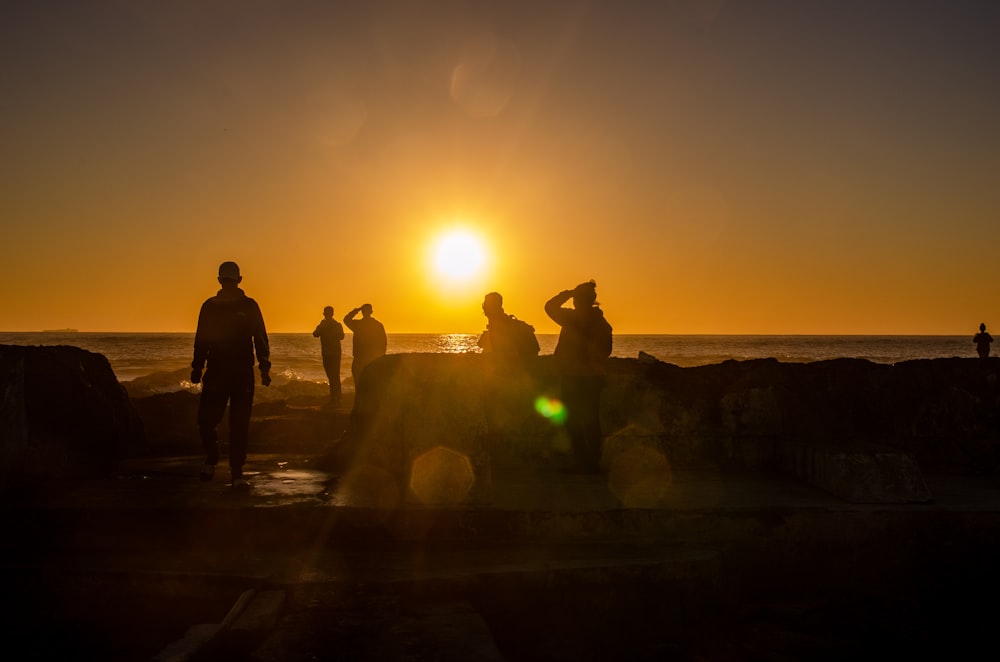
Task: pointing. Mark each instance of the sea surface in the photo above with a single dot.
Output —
(296, 355)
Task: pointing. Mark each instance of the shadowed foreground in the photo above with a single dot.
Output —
(732, 553)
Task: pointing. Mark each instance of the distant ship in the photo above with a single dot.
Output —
(60, 331)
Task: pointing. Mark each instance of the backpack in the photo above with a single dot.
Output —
(599, 339)
(524, 338)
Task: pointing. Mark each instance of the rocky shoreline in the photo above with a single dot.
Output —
(65, 413)
(739, 559)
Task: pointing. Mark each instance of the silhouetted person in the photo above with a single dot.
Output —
(510, 349)
(230, 331)
(369, 339)
(581, 358)
(330, 333)
(982, 340)
(508, 342)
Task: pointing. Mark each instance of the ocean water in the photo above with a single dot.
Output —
(296, 355)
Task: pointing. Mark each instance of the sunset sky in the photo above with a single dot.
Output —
(772, 166)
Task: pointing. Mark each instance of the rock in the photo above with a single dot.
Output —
(859, 473)
(408, 405)
(647, 358)
(63, 414)
(940, 414)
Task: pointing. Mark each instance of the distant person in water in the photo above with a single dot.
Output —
(982, 340)
(369, 339)
(508, 342)
(230, 331)
(330, 333)
(581, 355)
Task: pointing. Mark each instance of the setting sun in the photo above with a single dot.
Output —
(458, 255)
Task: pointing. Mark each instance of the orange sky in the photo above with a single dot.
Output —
(716, 167)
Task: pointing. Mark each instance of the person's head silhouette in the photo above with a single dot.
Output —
(493, 304)
(366, 310)
(328, 312)
(229, 275)
(585, 295)
(982, 327)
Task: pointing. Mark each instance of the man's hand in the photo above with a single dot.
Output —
(195, 376)
(265, 378)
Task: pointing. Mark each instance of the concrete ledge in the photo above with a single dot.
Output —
(857, 473)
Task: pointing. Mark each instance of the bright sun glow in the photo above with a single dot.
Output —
(458, 255)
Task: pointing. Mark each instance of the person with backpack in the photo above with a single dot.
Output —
(581, 355)
(510, 349)
(509, 342)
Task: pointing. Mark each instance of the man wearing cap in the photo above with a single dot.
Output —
(230, 331)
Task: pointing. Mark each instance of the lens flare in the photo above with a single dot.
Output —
(442, 476)
(551, 408)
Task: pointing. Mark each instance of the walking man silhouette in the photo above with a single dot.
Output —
(230, 331)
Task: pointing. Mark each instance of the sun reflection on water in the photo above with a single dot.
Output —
(458, 343)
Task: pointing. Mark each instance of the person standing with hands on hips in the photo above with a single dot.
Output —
(581, 355)
(230, 331)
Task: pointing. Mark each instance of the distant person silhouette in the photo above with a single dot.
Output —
(581, 355)
(982, 340)
(330, 333)
(508, 342)
(230, 331)
(369, 339)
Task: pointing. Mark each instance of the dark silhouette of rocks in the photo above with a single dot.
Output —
(761, 415)
(63, 414)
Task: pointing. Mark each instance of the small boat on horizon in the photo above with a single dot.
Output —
(60, 331)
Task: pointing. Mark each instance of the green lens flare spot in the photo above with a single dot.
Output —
(552, 409)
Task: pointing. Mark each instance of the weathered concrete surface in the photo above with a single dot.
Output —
(62, 413)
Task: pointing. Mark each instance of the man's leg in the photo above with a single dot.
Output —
(211, 407)
(331, 364)
(240, 406)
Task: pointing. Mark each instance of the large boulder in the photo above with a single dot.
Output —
(940, 415)
(63, 413)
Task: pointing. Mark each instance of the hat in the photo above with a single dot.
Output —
(229, 271)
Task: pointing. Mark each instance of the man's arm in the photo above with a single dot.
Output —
(349, 319)
(200, 350)
(262, 347)
(554, 309)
